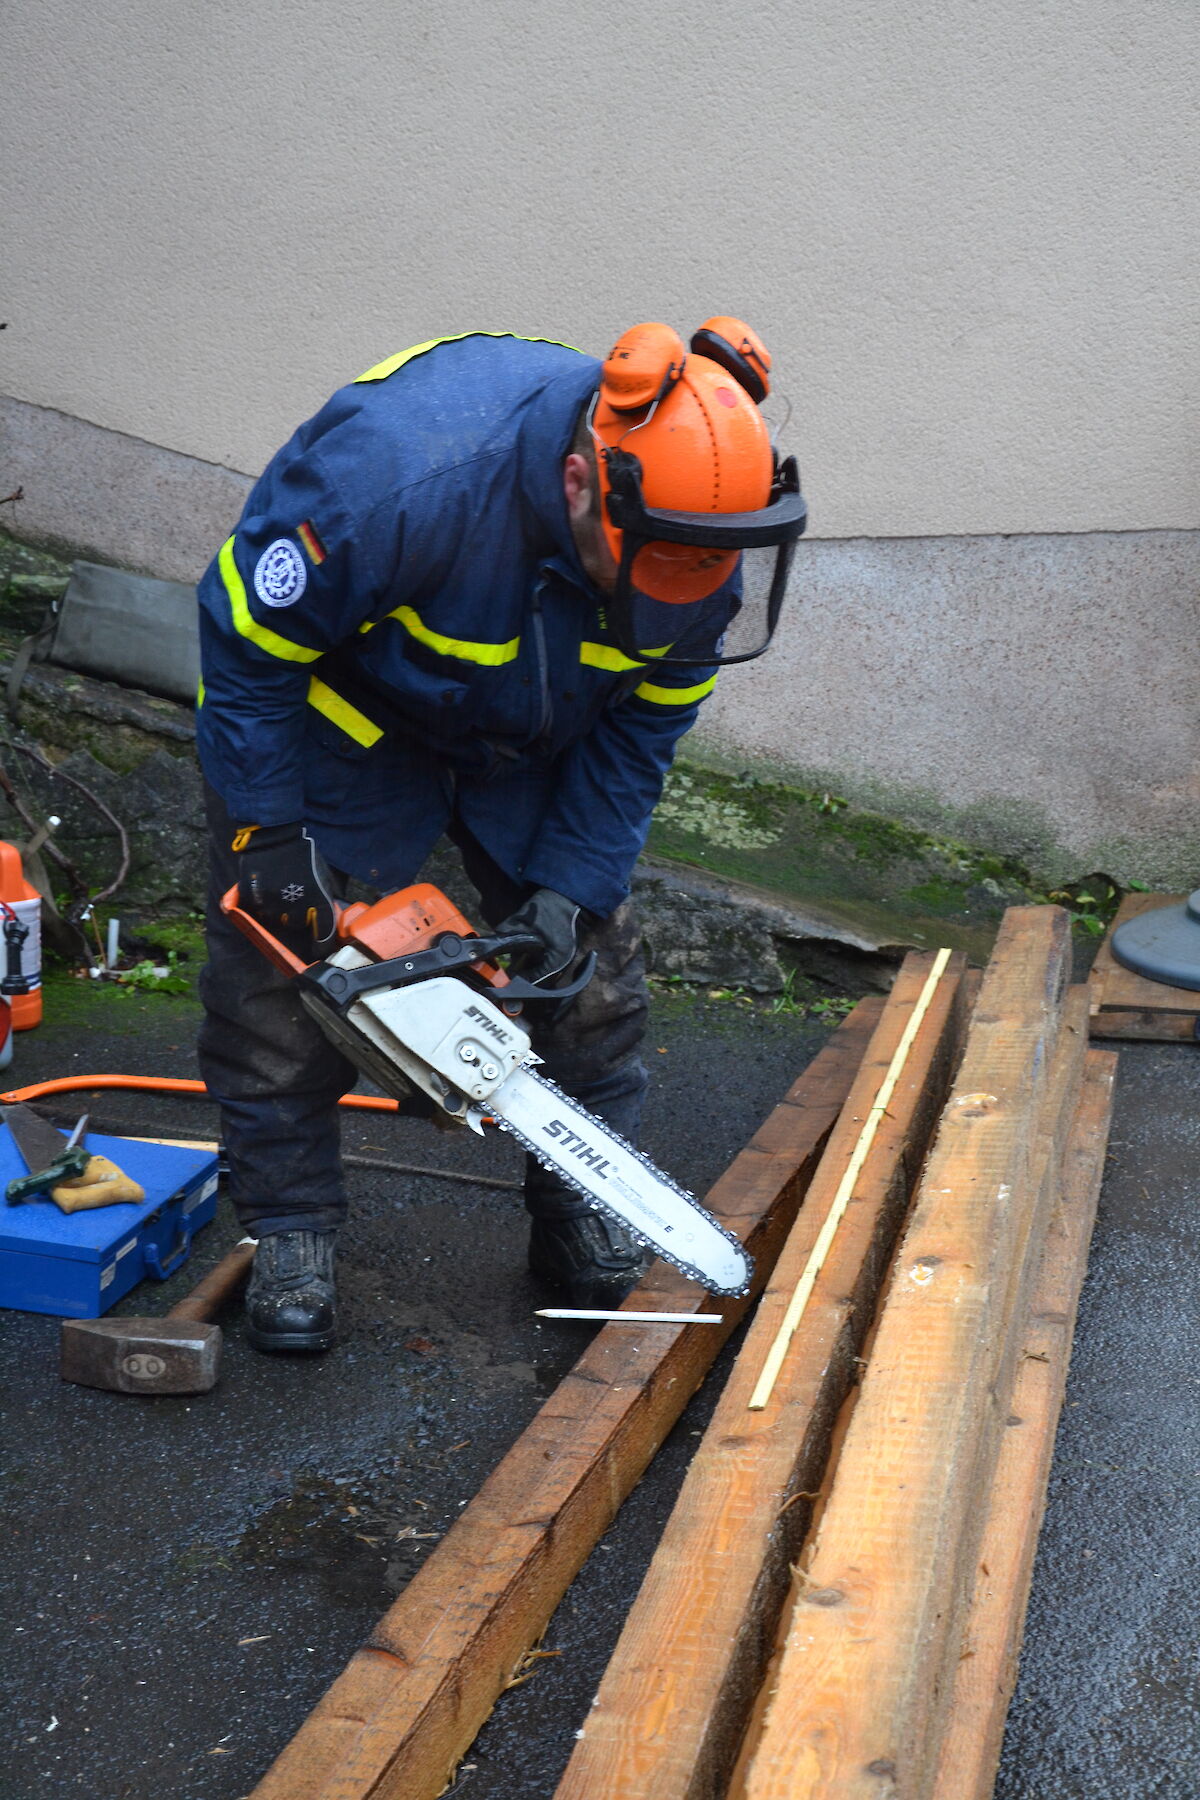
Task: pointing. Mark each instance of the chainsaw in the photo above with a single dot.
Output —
(417, 1001)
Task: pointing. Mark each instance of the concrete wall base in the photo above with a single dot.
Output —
(90, 492)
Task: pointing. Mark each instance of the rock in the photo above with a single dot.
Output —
(718, 932)
(160, 803)
(46, 588)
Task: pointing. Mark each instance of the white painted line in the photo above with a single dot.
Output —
(631, 1318)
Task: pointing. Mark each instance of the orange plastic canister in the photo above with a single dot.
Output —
(21, 945)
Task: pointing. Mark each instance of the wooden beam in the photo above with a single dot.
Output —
(863, 1686)
(987, 1668)
(846, 1189)
(987, 1656)
(671, 1708)
(409, 1703)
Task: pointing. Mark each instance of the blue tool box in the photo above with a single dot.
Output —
(77, 1265)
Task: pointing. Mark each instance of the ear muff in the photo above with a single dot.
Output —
(739, 351)
(642, 365)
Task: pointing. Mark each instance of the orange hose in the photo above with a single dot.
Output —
(161, 1084)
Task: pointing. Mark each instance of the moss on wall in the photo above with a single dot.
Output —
(869, 871)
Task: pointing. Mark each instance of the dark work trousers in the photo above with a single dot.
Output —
(278, 1078)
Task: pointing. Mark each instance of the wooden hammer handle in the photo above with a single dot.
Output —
(219, 1285)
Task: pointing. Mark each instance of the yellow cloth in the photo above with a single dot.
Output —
(101, 1184)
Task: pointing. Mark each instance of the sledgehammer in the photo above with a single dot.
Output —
(177, 1354)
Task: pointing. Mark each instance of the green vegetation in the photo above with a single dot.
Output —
(178, 939)
(861, 869)
(799, 998)
(149, 977)
(159, 957)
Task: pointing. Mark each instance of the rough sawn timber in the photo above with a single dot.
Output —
(396, 1721)
(987, 1666)
(864, 1682)
(672, 1705)
(1127, 1005)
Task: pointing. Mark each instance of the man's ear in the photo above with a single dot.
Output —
(577, 486)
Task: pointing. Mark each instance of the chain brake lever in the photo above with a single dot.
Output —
(451, 955)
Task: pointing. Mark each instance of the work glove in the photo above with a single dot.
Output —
(555, 920)
(284, 882)
(101, 1184)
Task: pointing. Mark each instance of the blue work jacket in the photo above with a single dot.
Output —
(400, 629)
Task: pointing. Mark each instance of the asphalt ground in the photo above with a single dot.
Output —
(184, 1577)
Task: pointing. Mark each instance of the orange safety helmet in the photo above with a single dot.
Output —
(687, 474)
(702, 443)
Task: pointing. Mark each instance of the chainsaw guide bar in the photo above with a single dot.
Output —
(726, 1268)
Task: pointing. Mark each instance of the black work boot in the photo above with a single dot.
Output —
(587, 1255)
(290, 1299)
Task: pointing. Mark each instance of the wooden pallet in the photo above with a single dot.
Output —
(1125, 1005)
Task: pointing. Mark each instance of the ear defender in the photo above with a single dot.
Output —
(642, 365)
(736, 349)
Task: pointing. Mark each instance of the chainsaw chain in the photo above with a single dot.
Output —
(572, 1181)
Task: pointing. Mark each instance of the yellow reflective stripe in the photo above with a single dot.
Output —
(599, 656)
(200, 693)
(350, 720)
(247, 625)
(665, 696)
(492, 655)
(391, 363)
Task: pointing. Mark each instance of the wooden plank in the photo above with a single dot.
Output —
(671, 1708)
(987, 1667)
(737, 1787)
(408, 1704)
(986, 1670)
(1146, 1027)
(1126, 1005)
(862, 1685)
(847, 1187)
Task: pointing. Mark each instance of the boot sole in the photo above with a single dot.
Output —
(311, 1341)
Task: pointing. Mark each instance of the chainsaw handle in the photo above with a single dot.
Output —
(443, 944)
(284, 959)
(520, 989)
(451, 954)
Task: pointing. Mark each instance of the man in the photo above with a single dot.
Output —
(455, 604)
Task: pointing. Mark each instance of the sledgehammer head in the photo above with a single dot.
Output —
(141, 1356)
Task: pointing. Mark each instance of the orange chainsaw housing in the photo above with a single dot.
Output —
(411, 919)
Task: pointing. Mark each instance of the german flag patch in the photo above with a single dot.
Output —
(307, 533)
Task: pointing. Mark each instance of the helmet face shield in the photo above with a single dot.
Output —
(700, 589)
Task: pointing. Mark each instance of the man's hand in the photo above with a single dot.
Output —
(555, 920)
(284, 883)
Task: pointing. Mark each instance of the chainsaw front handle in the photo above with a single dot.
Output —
(284, 959)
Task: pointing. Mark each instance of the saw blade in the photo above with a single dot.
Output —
(619, 1180)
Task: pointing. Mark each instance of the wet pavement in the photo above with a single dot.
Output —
(1108, 1698)
(184, 1577)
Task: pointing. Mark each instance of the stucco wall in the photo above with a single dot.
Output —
(968, 231)
(1035, 695)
